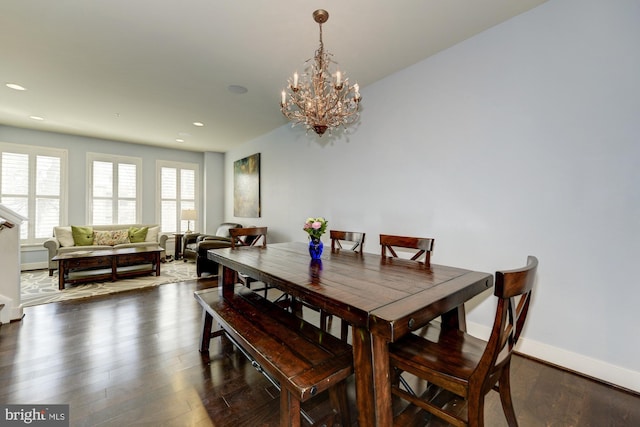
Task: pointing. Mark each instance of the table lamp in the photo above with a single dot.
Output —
(188, 215)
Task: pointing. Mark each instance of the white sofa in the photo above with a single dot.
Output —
(62, 240)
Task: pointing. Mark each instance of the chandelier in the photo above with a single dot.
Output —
(317, 98)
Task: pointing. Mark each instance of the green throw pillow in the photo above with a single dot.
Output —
(137, 235)
(82, 236)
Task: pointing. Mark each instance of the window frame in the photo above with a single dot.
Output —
(114, 160)
(33, 151)
(180, 224)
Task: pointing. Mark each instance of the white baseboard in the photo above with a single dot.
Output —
(34, 266)
(588, 366)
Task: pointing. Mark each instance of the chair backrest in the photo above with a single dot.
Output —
(513, 289)
(249, 236)
(423, 245)
(353, 238)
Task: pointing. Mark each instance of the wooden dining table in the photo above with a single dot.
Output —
(382, 298)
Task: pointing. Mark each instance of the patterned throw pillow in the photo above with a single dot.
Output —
(102, 237)
(111, 237)
(82, 236)
(120, 236)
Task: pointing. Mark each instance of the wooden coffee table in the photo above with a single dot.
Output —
(107, 264)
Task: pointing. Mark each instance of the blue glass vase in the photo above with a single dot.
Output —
(315, 248)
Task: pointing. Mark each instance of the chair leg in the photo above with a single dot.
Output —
(475, 408)
(344, 330)
(296, 306)
(504, 388)
(339, 401)
(324, 320)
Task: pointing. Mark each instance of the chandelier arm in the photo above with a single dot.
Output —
(317, 101)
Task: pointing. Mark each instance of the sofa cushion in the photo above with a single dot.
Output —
(111, 238)
(82, 236)
(137, 235)
(64, 236)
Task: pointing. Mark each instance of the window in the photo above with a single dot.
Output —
(114, 189)
(33, 183)
(178, 187)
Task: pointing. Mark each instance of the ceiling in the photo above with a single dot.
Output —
(144, 71)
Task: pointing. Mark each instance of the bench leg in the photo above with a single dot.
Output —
(289, 409)
(207, 323)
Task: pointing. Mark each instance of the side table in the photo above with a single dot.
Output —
(177, 252)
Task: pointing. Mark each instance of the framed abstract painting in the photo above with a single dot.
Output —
(246, 187)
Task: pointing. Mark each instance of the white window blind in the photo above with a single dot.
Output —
(114, 189)
(178, 190)
(32, 183)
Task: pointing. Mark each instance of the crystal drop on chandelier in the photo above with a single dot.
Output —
(319, 100)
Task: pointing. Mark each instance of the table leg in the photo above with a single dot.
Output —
(114, 268)
(363, 366)
(455, 319)
(227, 279)
(177, 251)
(62, 270)
(156, 260)
(382, 379)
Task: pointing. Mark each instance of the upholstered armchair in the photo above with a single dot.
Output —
(195, 247)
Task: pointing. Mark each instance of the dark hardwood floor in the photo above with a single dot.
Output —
(132, 359)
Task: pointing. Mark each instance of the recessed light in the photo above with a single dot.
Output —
(36, 117)
(237, 89)
(199, 124)
(180, 140)
(15, 86)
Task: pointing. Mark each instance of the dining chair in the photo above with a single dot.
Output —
(356, 242)
(249, 236)
(460, 369)
(354, 239)
(421, 249)
(424, 247)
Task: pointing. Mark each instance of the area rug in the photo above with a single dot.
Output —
(37, 287)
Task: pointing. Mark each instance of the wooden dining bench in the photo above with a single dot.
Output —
(302, 359)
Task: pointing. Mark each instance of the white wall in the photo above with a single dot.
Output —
(522, 140)
(213, 192)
